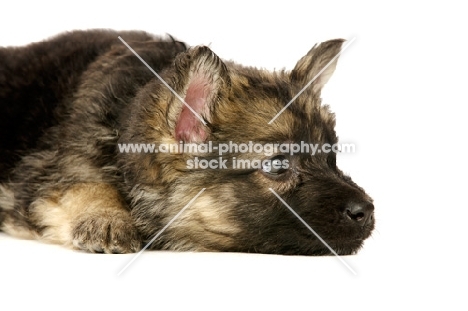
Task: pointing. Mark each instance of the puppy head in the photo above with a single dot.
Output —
(261, 205)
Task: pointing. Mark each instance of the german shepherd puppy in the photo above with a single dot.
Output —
(71, 106)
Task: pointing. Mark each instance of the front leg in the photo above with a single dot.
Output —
(87, 216)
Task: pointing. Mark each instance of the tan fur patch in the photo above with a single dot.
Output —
(17, 231)
(9, 225)
(7, 198)
(207, 222)
(58, 212)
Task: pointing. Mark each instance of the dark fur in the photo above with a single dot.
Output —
(66, 103)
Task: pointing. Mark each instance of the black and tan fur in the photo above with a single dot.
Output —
(66, 103)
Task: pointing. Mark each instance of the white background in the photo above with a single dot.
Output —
(399, 93)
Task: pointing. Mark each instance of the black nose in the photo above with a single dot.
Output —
(361, 213)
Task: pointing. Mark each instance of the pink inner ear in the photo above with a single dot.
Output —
(189, 127)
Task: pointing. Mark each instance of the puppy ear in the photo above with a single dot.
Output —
(201, 79)
(312, 65)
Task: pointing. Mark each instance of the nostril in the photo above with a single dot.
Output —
(361, 213)
(358, 216)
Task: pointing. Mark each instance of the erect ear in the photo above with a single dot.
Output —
(201, 79)
(319, 64)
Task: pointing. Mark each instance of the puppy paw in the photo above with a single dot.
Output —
(110, 232)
